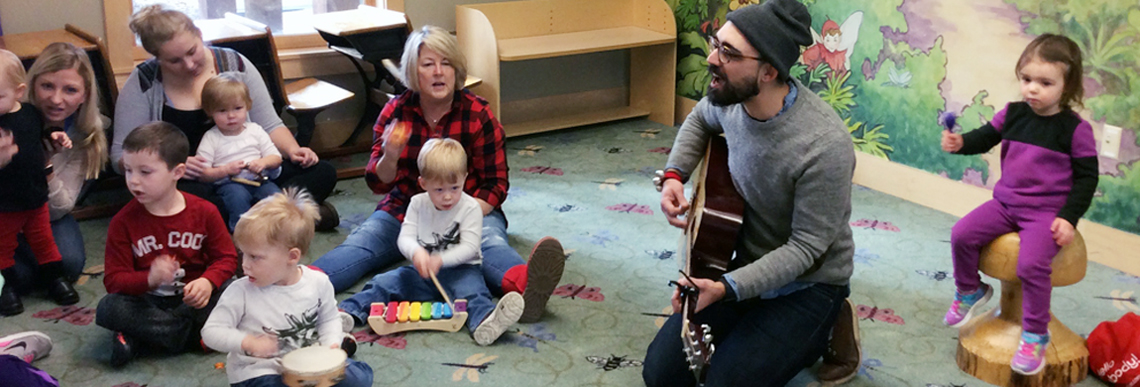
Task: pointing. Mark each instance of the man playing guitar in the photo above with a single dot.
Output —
(791, 160)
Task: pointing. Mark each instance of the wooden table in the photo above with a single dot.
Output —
(366, 34)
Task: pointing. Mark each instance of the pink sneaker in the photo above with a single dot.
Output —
(1030, 356)
(966, 305)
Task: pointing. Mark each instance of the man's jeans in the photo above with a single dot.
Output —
(759, 342)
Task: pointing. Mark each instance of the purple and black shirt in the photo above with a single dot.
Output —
(1047, 163)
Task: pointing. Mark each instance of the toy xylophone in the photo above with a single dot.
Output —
(399, 316)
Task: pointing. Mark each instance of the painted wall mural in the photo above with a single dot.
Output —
(890, 67)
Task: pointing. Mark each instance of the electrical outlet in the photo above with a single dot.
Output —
(1110, 141)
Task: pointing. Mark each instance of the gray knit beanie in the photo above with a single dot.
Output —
(776, 29)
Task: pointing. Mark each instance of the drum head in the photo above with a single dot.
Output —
(313, 360)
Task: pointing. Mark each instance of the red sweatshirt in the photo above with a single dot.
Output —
(197, 237)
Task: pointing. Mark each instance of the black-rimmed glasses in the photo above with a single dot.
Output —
(728, 54)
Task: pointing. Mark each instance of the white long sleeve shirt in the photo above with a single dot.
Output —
(301, 315)
(455, 234)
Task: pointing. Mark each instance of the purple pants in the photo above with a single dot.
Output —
(1034, 260)
(17, 372)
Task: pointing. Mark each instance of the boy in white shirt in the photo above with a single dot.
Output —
(242, 158)
(441, 235)
(279, 306)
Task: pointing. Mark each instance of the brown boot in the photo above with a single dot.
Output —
(544, 270)
(842, 359)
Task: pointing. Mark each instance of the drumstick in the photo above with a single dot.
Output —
(441, 291)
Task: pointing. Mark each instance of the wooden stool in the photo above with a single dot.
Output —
(987, 343)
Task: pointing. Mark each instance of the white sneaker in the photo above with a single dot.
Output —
(506, 313)
(28, 346)
(346, 322)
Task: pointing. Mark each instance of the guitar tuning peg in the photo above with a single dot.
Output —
(708, 337)
(692, 367)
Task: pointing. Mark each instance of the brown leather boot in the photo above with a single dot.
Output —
(842, 359)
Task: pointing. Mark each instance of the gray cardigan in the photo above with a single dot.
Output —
(794, 172)
(142, 97)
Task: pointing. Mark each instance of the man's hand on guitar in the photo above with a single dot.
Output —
(673, 202)
(710, 291)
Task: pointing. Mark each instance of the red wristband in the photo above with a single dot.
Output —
(672, 174)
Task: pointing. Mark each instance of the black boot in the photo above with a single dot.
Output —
(58, 287)
(329, 217)
(10, 304)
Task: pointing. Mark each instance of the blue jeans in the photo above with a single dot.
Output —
(758, 342)
(68, 240)
(372, 247)
(356, 374)
(405, 284)
(239, 197)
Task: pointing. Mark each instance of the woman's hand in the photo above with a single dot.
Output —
(951, 142)
(304, 156)
(196, 166)
(396, 136)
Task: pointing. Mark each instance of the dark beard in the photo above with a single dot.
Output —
(729, 93)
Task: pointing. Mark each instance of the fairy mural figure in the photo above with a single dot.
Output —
(834, 45)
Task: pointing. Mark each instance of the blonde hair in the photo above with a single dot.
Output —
(442, 159)
(438, 40)
(286, 218)
(156, 25)
(222, 90)
(92, 140)
(11, 67)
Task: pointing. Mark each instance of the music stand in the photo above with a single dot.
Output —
(366, 34)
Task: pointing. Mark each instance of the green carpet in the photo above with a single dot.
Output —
(590, 188)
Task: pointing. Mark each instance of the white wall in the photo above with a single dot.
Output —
(19, 16)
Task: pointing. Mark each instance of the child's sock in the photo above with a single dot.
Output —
(1030, 356)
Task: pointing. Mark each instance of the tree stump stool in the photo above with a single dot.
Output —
(987, 343)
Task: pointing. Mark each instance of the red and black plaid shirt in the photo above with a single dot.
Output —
(470, 122)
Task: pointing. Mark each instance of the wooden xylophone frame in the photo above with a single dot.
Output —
(382, 327)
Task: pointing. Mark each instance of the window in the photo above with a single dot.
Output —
(297, 36)
(285, 17)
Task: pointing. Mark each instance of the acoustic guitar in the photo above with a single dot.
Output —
(714, 219)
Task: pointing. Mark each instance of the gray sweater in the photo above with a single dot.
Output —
(794, 172)
(143, 96)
